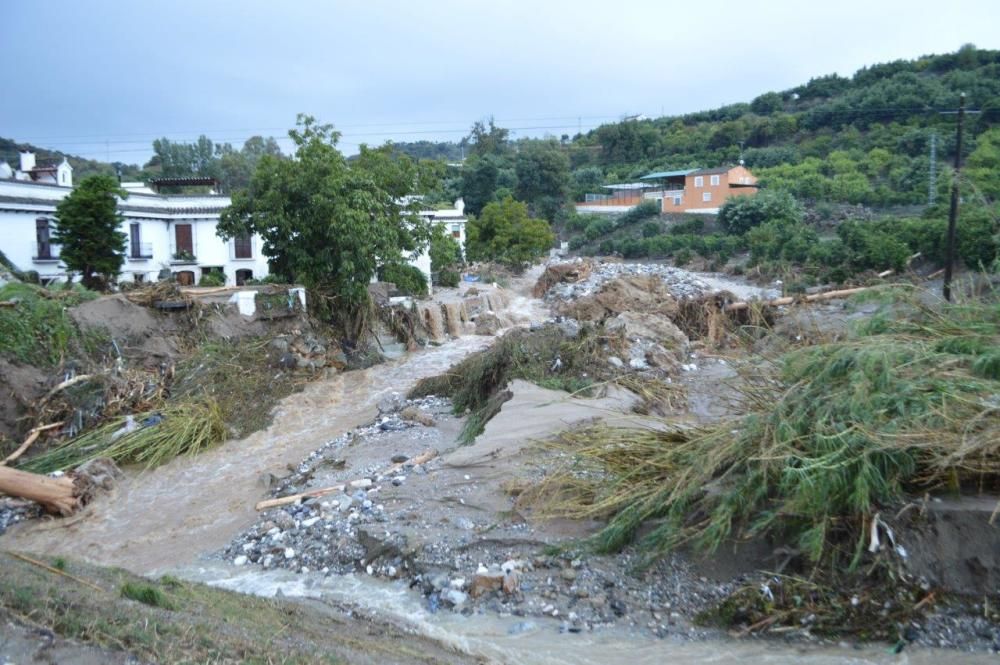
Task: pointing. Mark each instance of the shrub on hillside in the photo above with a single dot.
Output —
(408, 279)
(644, 210)
(742, 213)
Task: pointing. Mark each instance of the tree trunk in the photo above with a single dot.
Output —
(56, 495)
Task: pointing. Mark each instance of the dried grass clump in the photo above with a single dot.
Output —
(847, 428)
(178, 429)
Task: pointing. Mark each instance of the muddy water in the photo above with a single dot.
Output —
(169, 515)
(536, 641)
(165, 519)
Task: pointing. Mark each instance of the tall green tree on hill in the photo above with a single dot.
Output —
(328, 223)
(87, 230)
(542, 170)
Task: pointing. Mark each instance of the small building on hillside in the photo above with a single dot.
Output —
(50, 173)
(700, 190)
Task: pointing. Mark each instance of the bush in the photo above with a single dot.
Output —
(650, 229)
(872, 247)
(214, 278)
(691, 225)
(742, 213)
(682, 257)
(781, 240)
(598, 227)
(644, 210)
(448, 278)
(408, 280)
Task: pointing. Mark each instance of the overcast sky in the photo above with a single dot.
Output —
(102, 78)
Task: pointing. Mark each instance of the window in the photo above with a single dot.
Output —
(133, 237)
(714, 180)
(242, 247)
(699, 181)
(43, 244)
(139, 277)
(456, 230)
(677, 200)
(706, 196)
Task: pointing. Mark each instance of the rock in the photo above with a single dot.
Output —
(484, 583)
(283, 520)
(455, 597)
(653, 327)
(289, 553)
(568, 574)
(399, 459)
(288, 361)
(616, 362)
(413, 414)
(487, 324)
(279, 344)
(569, 327)
(241, 560)
(511, 583)
(391, 403)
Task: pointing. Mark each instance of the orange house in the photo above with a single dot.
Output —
(701, 190)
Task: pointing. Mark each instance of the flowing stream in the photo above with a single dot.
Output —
(172, 517)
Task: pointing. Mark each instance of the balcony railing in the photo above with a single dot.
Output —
(182, 255)
(140, 251)
(44, 251)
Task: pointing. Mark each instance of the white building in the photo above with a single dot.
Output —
(454, 221)
(166, 233)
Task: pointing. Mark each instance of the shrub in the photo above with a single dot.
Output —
(740, 214)
(781, 240)
(598, 227)
(449, 278)
(644, 210)
(872, 247)
(408, 279)
(650, 229)
(214, 278)
(682, 257)
(691, 225)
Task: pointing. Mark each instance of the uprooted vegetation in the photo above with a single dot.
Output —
(837, 434)
(121, 378)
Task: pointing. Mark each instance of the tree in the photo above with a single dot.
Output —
(482, 177)
(505, 233)
(741, 213)
(87, 229)
(983, 165)
(328, 223)
(542, 170)
(487, 139)
(446, 256)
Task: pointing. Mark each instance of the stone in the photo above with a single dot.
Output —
(455, 597)
(399, 459)
(241, 560)
(413, 414)
(568, 574)
(283, 521)
(288, 361)
(391, 403)
(616, 362)
(484, 583)
(487, 324)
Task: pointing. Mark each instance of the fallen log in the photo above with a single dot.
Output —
(334, 489)
(816, 297)
(8, 303)
(32, 437)
(56, 495)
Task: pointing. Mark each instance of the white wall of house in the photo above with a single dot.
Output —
(23, 203)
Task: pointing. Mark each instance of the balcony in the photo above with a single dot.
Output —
(182, 256)
(45, 252)
(142, 251)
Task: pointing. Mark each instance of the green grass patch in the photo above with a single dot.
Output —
(38, 331)
(147, 594)
(240, 377)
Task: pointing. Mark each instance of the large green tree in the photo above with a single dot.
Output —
(542, 169)
(87, 229)
(505, 233)
(327, 222)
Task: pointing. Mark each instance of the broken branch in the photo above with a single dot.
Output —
(32, 437)
(66, 384)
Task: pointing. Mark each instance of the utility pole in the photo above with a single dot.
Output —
(932, 172)
(953, 209)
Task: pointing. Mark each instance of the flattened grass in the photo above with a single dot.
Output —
(845, 429)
